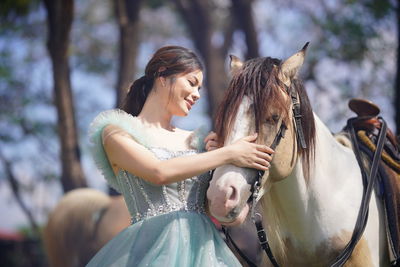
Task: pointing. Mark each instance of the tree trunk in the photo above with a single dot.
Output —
(197, 15)
(59, 20)
(243, 15)
(397, 86)
(127, 14)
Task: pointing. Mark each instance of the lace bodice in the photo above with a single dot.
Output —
(145, 200)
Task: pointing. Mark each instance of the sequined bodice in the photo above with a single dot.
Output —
(145, 199)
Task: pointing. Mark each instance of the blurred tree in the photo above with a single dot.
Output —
(127, 14)
(59, 21)
(243, 17)
(11, 10)
(200, 18)
(197, 15)
(397, 85)
(19, 130)
(354, 34)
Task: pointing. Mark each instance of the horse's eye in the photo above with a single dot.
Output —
(275, 117)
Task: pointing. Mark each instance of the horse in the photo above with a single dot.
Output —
(82, 222)
(310, 196)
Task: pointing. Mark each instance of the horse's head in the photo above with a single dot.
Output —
(260, 99)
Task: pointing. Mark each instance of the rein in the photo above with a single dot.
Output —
(369, 182)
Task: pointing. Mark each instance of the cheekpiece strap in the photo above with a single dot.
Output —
(297, 118)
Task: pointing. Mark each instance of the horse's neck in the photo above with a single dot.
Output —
(303, 210)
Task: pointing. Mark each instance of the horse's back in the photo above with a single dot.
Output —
(69, 233)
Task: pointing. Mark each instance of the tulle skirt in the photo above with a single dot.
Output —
(174, 239)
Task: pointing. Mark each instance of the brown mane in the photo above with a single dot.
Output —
(258, 79)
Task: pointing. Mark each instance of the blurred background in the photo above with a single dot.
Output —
(64, 61)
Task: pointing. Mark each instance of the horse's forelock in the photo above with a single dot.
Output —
(259, 80)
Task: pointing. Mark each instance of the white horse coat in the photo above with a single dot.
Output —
(308, 221)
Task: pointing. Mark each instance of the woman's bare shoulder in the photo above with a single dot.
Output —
(112, 130)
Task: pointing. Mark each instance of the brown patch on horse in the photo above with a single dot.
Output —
(325, 254)
(69, 234)
(361, 255)
(117, 216)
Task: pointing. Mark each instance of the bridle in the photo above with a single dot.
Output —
(368, 181)
(281, 134)
(256, 186)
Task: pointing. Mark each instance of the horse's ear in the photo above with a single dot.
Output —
(290, 67)
(235, 64)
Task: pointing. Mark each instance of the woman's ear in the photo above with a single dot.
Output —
(162, 81)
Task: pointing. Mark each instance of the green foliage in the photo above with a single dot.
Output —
(351, 35)
(94, 38)
(379, 8)
(13, 9)
(349, 27)
(154, 4)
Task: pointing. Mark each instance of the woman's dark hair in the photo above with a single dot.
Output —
(167, 61)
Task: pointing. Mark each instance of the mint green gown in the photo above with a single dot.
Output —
(169, 226)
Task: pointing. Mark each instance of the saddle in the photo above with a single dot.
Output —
(367, 126)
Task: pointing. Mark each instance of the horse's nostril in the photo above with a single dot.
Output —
(232, 193)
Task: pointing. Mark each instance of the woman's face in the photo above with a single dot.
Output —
(184, 92)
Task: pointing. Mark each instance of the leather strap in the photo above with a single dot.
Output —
(263, 239)
(229, 239)
(369, 181)
(279, 135)
(363, 212)
(297, 118)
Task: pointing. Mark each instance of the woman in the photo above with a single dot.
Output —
(160, 172)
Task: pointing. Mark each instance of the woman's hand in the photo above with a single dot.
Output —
(246, 153)
(212, 142)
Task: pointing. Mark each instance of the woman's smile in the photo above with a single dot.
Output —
(189, 103)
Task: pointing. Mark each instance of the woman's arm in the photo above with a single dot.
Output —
(125, 153)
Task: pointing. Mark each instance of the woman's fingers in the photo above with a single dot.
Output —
(211, 136)
(211, 145)
(260, 167)
(262, 162)
(264, 156)
(265, 149)
(211, 141)
(251, 138)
